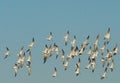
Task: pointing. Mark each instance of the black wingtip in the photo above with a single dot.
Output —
(28, 50)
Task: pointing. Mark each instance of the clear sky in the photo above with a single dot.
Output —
(21, 20)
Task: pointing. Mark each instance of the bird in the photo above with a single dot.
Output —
(31, 45)
(22, 60)
(95, 53)
(86, 40)
(72, 53)
(63, 56)
(77, 70)
(28, 69)
(29, 59)
(49, 38)
(93, 64)
(45, 58)
(88, 65)
(76, 50)
(56, 50)
(96, 41)
(7, 53)
(66, 63)
(54, 73)
(74, 41)
(115, 50)
(21, 52)
(103, 48)
(15, 68)
(103, 61)
(104, 73)
(19, 62)
(89, 53)
(81, 50)
(107, 35)
(111, 65)
(66, 37)
(78, 62)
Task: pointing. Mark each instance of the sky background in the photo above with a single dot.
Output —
(21, 20)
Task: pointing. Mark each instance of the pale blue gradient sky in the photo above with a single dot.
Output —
(21, 20)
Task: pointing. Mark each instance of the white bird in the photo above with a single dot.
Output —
(111, 65)
(50, 37)
(103, 48)
(74, 41)
(76, 51)
(95, 53)
(28, 69)
(31, 45)
(89, 53)
(86, 40)
(78, 63)
(45, 50)
(56, 50)
(81, 50)
(23, 60)
(15, 68)
(88, 65)
(104, 74)
(19, 62)
(45, 58)
(107, 36)
(63, 56)
(103, 62)
(54, 73)
(72, 53)
(7, 53)
(77, 70)
(109, 56)
(21, 53)
(93, 65)
(29, 58)
(115, 50)
(96, 41)
(66, 64)
(66, 38)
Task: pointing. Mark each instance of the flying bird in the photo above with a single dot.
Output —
(66, 37)
(103, 48)
(63, 56)
(89, 53)
(77, 70)
(54, 73)
(7, 53)
(103, 62)
(56, 50)
(111, 65)
(66, 63)
(107, 35)
(28, 69)
(31, 45)
(104, 73)
(93, 64)
(15, 68)
(115, 50)
(86, 40)
(96, 41)
(50, 37)
(74, 41)
(88, 65)
(29, 59)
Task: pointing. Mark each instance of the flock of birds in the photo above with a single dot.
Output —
(107, 59)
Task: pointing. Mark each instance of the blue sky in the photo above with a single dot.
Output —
(21, 20)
